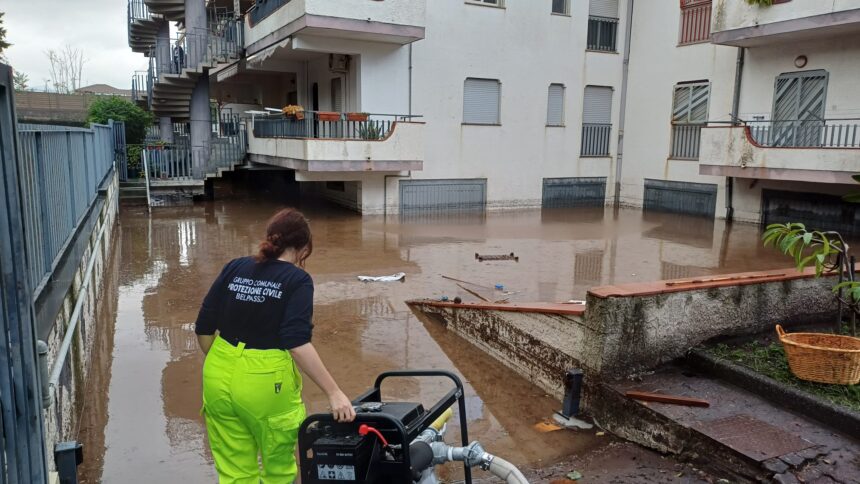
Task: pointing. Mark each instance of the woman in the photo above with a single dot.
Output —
(261, 309)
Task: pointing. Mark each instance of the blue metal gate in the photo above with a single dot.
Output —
(22, 445)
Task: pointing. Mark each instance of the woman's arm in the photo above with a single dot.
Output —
(309, 361)
(205, 341)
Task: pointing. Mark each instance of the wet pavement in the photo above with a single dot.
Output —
(142, 424)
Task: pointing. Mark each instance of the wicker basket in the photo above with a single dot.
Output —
(822, 358)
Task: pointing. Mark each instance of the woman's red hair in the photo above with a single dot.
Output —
(287, 229)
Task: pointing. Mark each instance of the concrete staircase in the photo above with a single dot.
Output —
(132, 192)
(173, 10)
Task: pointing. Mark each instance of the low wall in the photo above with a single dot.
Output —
(62, 416)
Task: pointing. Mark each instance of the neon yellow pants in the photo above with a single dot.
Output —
(252, 400)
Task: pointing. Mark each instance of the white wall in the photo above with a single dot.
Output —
(733, 14)
(657, 64)
(527, 48)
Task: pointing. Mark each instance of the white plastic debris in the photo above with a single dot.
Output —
(571, 422)
(392, 278)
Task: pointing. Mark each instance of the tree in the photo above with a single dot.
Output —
(118, 109)
(3, 44)
(21, 81)
(67, 66)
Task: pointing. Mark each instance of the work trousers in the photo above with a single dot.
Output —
(252, 401)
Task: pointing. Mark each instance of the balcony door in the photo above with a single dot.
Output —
(798, 109)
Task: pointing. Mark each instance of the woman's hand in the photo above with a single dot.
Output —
(341, 407)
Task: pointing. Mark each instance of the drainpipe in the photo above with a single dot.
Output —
(410, 82)
(736, 101)
(624, 74)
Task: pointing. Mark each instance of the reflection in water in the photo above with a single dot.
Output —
(145, 402)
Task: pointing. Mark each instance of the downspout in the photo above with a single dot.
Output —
(409, 175)
(736, 101)
(624, 74)
(410, 82)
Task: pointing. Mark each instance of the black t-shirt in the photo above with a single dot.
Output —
(266, 305)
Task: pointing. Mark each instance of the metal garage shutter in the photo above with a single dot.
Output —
(603, 8)
(555, 105)
(680, 197)
(817, 210)
(597, 105)
(481, 101)
(574, 192)
(439, 195)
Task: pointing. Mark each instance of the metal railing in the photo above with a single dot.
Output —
(806, 133)
(139, 85)
(685, 141)
(264, 8)
(602, 33)
(326, 125)
(695, 21)
(191, 50)
(595, 139)
(61, 170)
(137, 10)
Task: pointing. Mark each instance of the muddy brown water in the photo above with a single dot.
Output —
(142, 423)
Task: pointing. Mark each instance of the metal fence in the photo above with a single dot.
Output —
(807, 133)
(61, 170)
(685, 141)
(595, 139)
(602, 33)
(264, 8)
(327, 125)
(22, 437)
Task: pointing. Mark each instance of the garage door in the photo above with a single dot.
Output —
(816, 211)
(680, 197)
(574, 192)
(443, 195)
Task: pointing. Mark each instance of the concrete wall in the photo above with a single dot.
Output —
(729, 14)
(62, 417)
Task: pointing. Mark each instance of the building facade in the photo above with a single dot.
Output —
(716, 108)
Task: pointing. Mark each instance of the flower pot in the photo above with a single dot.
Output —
(328, 116)
(300, 115)
(356, 116)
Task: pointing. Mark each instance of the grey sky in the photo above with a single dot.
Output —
(98, 27)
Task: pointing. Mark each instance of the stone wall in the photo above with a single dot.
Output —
(62, 416)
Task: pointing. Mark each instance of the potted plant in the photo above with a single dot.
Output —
(293, 111)
(357, 116)
(133, 163)
(819, 357)
(328, 116)
(370, 132)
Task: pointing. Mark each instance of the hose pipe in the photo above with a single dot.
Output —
(505, 471)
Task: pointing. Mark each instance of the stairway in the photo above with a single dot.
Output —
(132, 192)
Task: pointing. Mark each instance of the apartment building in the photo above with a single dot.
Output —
(497, 104)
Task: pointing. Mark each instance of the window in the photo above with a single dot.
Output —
(689, 114)
(492, 3)
(797, 119)
(555, 105)
(481, 99)
(602, 25)
(561, 7)
(695, 21)
(596, 121)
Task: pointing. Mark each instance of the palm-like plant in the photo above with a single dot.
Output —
(827, 251)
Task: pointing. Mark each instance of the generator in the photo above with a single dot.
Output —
(388, 443)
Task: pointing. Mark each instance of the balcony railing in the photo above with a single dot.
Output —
(137, 10)
(819, 133)
(695, 21)
(264, 8)
(595, 139)
(685, 141)
(222, 41)
(326, 125)
(602, 33)
(139, 85)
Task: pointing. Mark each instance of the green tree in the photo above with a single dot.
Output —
(3, 44)
(21, 81)
(112, 107)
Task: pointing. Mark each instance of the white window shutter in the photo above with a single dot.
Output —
(603, 8)
(555, 105)
(481, 98)
(597, 105)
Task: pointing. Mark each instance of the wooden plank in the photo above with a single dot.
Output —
(482, 298)
(671, 399)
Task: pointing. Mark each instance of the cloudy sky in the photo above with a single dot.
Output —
(98, 27)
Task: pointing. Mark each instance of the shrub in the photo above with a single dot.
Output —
(116, 108)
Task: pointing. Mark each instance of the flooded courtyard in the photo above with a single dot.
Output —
(141, 421)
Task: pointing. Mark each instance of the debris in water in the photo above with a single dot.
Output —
(488, 257)
(545, 426)
(482, 298)
(571, 422)
(600, 434)
(574, 475)
(400, 276)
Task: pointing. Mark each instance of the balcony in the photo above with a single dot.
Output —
(820, 151)
(393, 21)
(740, 24)
(327, 142)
